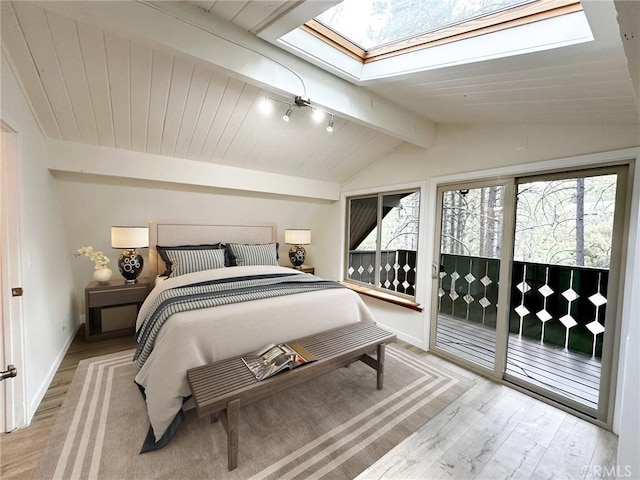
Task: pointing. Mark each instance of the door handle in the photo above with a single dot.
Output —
(10, 372)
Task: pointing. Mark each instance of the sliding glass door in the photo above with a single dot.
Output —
(470, 239)
(564, 286)
(526, 282)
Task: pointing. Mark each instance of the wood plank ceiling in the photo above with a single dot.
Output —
(92, 86)
(554, 90)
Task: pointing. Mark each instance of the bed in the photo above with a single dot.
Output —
(267, 304)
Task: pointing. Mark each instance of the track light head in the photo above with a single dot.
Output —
(287, 115)
(330, 125)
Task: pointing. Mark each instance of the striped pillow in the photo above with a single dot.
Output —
(252, 254)
(191, 258)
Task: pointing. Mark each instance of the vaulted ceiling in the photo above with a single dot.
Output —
(91, 81)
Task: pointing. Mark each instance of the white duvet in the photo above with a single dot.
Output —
(193, 338)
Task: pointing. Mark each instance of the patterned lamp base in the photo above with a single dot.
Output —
(130, 265)
(296, 256)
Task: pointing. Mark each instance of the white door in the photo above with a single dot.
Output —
(12, 390)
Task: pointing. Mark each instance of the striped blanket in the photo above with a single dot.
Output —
(218, 292)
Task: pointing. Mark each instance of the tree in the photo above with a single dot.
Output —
(472, 221)
(563, 222)
(566, 222)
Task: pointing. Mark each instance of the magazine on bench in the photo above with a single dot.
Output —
(272, 359)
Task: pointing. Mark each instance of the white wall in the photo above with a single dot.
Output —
(92, 204)
(468, 148)
(46, 272)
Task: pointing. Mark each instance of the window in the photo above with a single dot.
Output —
(382, 241)
(373, 29)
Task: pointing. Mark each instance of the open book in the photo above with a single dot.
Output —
(271, 359)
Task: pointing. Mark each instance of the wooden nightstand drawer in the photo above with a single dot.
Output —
(102, 298)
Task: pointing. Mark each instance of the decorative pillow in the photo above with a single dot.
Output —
(251, 254)
(184, 259)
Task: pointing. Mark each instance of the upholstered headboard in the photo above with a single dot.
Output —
(195, 232)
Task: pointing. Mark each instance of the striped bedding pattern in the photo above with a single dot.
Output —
(188, 261)
(257, 254)
(219, 292)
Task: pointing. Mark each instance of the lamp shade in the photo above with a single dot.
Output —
(297, 237)
(129, 237)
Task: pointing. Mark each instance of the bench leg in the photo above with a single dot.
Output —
(233, 420)
(380, 369)
(377, 364)
(230, 421)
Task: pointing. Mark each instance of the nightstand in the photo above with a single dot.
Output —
(111, 309)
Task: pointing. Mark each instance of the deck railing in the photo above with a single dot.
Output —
(397, 269)
(558, 305)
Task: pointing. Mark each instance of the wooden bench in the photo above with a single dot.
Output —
(220, 388)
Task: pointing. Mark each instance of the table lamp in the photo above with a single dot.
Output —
(130, 262)
(297, 238)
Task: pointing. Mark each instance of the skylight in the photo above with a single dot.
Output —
(373, 40)
(375, 23)
(374, 29)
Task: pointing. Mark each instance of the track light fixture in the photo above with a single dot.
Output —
(300, 102)
(330, 125)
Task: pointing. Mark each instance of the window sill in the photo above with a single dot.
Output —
(385, 297)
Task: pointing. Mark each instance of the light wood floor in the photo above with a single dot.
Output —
(20, 450)
(490, 432)
(495, 432)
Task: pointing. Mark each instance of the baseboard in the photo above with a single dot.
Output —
(416, 342)
(33, 407)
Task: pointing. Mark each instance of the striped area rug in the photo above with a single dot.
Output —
(332, 427)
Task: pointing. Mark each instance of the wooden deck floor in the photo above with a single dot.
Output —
(574, 375)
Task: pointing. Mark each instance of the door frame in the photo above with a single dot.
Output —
(15, 413)
(619, 157)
